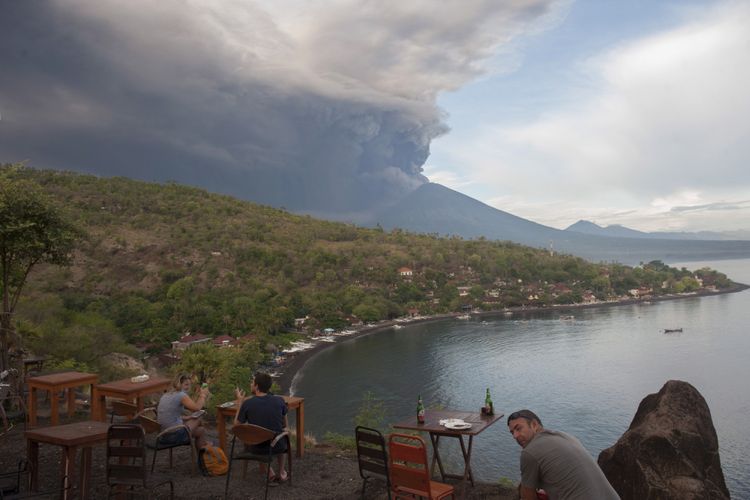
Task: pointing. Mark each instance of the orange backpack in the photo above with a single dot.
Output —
(212, 461)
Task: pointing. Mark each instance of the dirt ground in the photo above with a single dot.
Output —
(323, 473)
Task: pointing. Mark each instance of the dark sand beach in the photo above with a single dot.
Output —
(296, 361)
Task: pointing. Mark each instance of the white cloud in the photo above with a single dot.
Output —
(662, 121)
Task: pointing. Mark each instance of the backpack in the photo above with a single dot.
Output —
(212, 461)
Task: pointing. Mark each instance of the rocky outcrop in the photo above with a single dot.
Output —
(121, 360)
(670, 450)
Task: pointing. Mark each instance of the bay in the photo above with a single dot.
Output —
(585, 376)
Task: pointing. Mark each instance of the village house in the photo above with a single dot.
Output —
(188, 340)
(588, 297)
(224, 341)
(641, 292)
(463, 291)
(405, 272)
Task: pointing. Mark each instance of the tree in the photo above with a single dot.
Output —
(32, 231)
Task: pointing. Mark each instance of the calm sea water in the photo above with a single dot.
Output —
(584, 376)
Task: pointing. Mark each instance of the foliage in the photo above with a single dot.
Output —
(371, 413)
(32, 231)
(162, 260)
(223, 369)
(342, 441)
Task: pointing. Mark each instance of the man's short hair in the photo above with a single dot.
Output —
(263, 381)
(528, 415)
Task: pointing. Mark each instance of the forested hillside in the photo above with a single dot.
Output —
(159, 260)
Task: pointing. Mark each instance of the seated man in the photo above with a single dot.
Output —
(555, 462)
(265, 410)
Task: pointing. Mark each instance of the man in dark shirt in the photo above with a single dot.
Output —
(265, 410)
(555, 462)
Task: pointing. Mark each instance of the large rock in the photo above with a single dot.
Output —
(670, 450)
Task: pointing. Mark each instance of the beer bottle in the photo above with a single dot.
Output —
(420, 410)
(489, 410)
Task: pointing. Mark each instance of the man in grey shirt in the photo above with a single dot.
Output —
(556, 463)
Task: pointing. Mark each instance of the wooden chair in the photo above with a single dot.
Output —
(410, 473)
(371, 456)
(157, 443)
(249, 435)
(126, 461)
(124, 410)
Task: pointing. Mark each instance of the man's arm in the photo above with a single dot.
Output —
(239, 398)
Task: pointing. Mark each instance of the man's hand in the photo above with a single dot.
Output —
(239, 394)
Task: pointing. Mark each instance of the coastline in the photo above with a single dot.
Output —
(296, 363)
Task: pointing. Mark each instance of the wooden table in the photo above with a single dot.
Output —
(293, 403)
(55, 383)
(125, 390)
(432, 425)
(69, 437)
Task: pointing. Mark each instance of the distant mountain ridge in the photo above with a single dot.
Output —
(433, 208)
(617, 230)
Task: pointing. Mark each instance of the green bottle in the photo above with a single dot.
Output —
(420, 410)
(488, 408)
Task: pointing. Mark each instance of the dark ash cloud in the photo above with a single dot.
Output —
(233, 98)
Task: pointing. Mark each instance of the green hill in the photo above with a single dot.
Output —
(163, 259)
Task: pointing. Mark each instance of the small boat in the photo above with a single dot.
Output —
(463, 316)
(397, 327)
(568, 317)
(673, 330)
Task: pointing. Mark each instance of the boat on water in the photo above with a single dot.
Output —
(567, 317)
(673, 330)
(398, 327)
(463, 316)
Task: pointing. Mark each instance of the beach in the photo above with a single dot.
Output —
(296, 361)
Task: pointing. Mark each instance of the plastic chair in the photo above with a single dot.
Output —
(250, 434)
(126, 461)
(152, 427)
(371, 455)
(410, 474)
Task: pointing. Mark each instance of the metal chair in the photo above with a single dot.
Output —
(249, 435)
(158, 443)
(12, 404)
(12, 484)
(126, 461)
(123, 409)
(410, 474)
(371, 455)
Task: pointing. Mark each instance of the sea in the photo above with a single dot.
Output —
(584, 375)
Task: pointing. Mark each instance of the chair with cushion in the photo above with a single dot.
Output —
(161, 439)
(126, 461)
(371, 456)
(410, 474)
(249, 435)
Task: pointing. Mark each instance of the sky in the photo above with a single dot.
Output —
(632, 113)
(619, 112)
